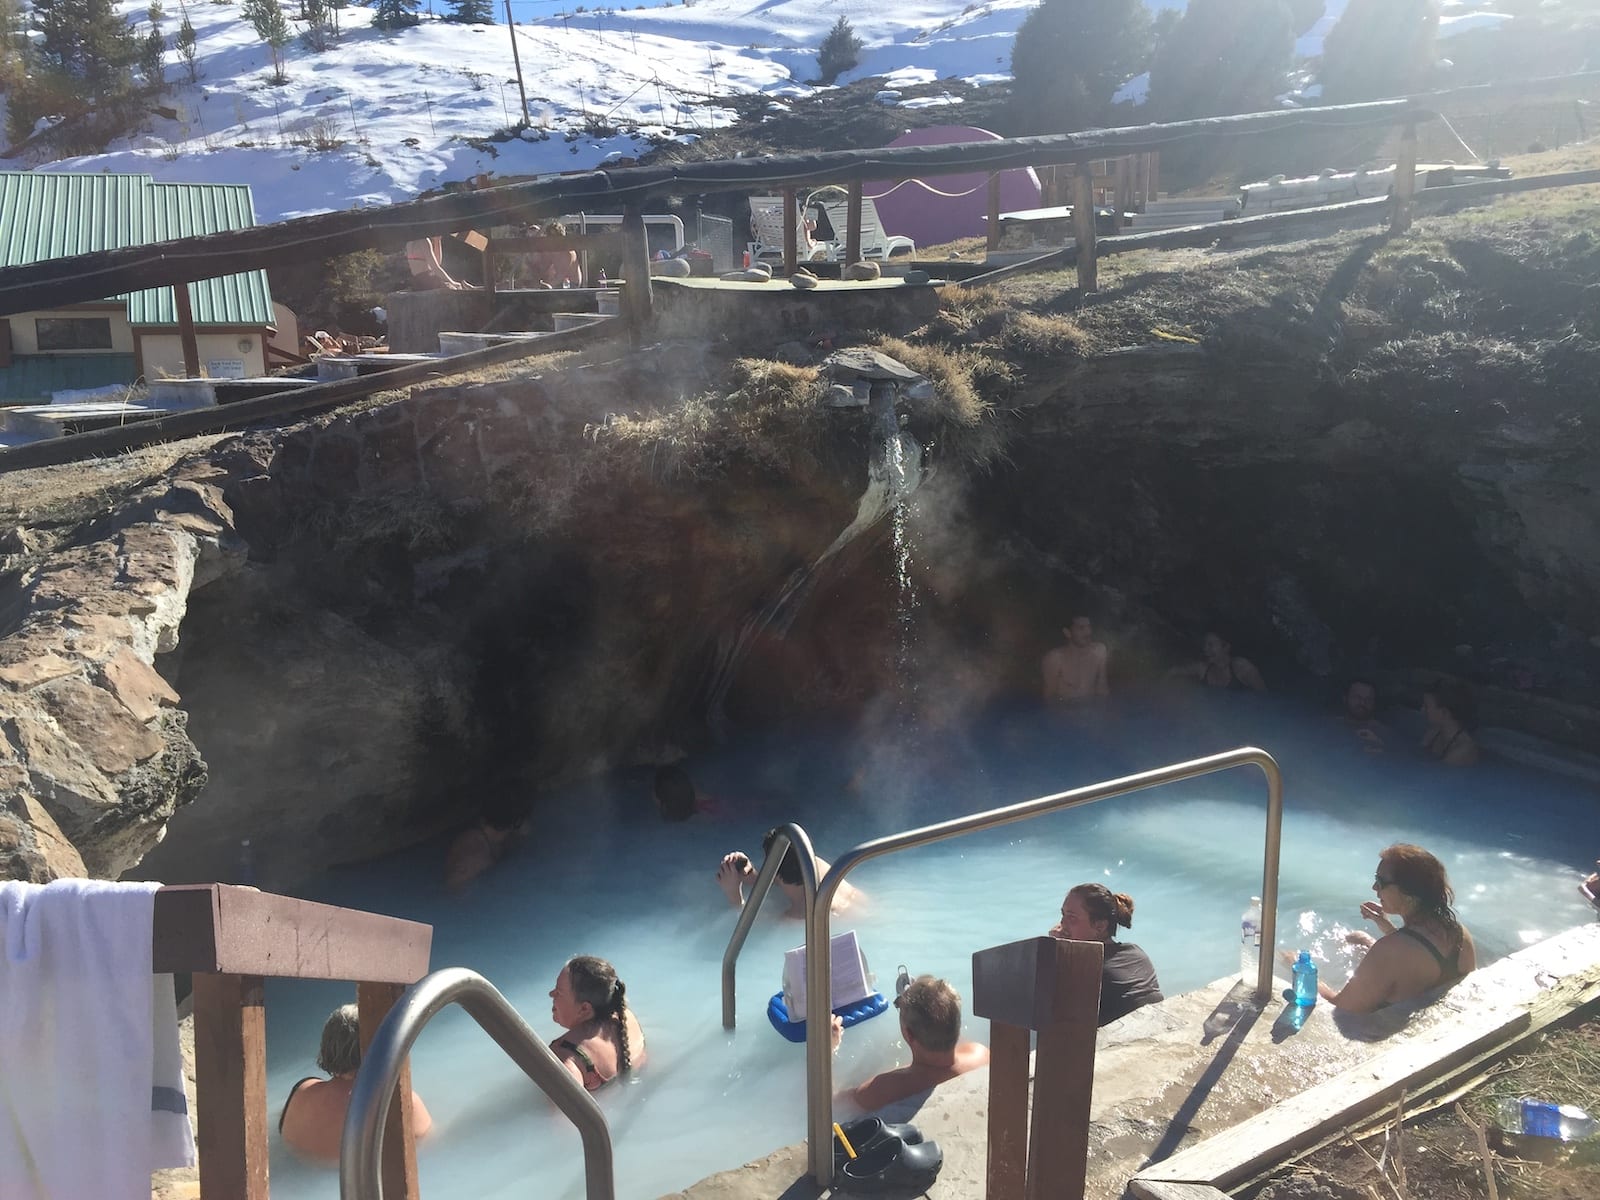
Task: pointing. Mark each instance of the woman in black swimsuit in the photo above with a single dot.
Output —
(603, 1037)
(1429, 949)
(1220, 668)
(1448, 709)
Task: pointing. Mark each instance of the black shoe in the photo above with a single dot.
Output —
(869, 1131)
(890, 1165)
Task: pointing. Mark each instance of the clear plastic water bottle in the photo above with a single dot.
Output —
(1305, 980)
(1250, 941)
(1540, 1118)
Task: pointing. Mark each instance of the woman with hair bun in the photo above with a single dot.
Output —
(603, 1037)
(1092, 913)
(1429, 949)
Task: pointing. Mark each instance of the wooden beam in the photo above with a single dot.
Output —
(994, 211)
(88, 277)
(1154, 158)
(1405, 181)
(230, 1067)
(374, 1000)
(1083, 231)
(636, 270)
(1007, 1171)
(791, 235)
(1122, 199)
(191, 345)
(611, 243)
(215, 927)
(852, 237)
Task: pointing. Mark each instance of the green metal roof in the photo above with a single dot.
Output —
(32, 378)
(45, 214)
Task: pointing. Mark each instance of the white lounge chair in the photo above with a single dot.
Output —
(876, 245)
(766, 228)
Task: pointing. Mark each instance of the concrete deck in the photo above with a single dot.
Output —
(1170, 1076)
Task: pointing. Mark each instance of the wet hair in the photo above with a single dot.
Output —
(930, 1009)
(1422, 877)
(1102, 904)
(674, 793)
(595, 983)
(789, 868)
(1455, 697)
(340, 1052)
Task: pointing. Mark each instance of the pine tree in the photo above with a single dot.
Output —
(471, 12)
(12, 70)
(1226, 56)
(839, 51)
(318, 33)
(272, 27)
(187, 46)
(152, 50)
(1069, 59)
(1379, 48)
(394, 14)
(90, 42)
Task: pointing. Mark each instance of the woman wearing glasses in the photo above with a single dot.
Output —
(1430, 948)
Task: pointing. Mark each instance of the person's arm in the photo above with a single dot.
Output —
(575, 269)
(421, 1118)
(1370, 911)
(1369, 988)
(1101, 687)
(1464, 753)
(1245, 672)
(732, 873)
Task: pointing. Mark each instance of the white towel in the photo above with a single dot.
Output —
(91, 1083)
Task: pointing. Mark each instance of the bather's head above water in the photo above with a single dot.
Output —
(340, 1051)
(586, 990)
(1092, 912)
(789, 868)
(1410, 882)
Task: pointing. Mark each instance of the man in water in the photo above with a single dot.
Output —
(930, 1023)
(1360, 707)
(736, 870)
(1076, 671)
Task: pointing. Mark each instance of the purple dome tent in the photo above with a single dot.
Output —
(942, 208)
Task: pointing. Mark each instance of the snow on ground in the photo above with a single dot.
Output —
(382, 116)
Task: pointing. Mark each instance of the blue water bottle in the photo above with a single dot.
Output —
(1305, 980)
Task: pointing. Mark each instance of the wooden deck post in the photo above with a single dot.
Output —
(1154, 172)
(191, 346)
(399, 1148)
(1405, 180)
(852, 234)
(1051, 986)
(791, 235)
(994, 211)
(1083, 227)
(230, 1068)
(636, 269)
(1122, 196)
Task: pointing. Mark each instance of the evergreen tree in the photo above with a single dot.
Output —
(1226, 56)
(187, 46)
(1379, 48)
(1069, 59)
(12, 45)
(272, 27)
(471, 12)
(840, 50)
(394, 14)
(90, 42)
(318, 34)
(152, 50)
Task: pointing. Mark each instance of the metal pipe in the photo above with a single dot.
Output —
(787, 835)
(361, 1148)
(819, 967)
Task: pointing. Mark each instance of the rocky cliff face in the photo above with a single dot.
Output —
(1350, 455)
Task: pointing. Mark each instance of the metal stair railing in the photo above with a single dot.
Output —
(788, 835)
(361, 1149)
(819, 967)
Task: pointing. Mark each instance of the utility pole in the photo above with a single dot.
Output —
(517, 58)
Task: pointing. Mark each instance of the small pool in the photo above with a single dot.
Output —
(602, 875)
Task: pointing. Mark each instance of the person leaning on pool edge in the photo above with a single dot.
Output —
(1091, 913)
(1429, 949)
(930, 1023)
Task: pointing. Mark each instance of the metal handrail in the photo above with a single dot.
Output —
(361, 1148)
(819, 968)
(787, 835)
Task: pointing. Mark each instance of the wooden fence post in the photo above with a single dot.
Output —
(1405, 180)
(852, 232)
(191, 347)
(791, 236)
(1083, 227)
(636, 269)
(1122, 197)
(1154, 172)
(1051, 986)
(374, 1000)
(994, 211)
(230, 1068)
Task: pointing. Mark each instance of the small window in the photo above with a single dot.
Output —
(73, 333)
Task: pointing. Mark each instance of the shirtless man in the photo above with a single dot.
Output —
(1076, 671)
(554, 268)
(930, 1023)
(1360, 705)
(736, 870)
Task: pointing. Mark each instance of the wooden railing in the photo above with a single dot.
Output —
(231, 939)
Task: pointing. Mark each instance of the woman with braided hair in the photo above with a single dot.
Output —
(603, 1037)
(1429, 949)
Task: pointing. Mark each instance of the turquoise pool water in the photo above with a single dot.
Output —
(603, 875)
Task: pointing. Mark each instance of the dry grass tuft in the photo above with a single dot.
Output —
(970, 313)
(1039, 336)
(962, 420)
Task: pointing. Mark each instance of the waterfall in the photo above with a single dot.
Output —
(893, 474)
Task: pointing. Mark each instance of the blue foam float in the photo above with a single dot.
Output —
(850, 1014)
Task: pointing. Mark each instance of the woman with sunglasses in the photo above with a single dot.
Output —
(1430, 948)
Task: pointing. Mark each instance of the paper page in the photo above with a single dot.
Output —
(849, 983)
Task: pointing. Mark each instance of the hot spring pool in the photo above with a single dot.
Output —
(603, 875)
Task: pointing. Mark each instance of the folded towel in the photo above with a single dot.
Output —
(91, 1087)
